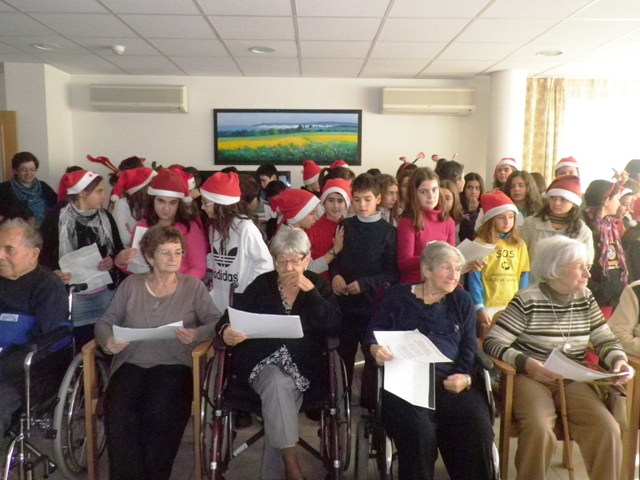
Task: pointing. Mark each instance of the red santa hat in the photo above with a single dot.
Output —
(337, 185)
(169, 183)
(131, 181)
(294, 204)
(188, 177)
(567, 162)
(567, 187)
(506, 161)
(73, 183)
(494, 203)
(338, 163)
(310, 172)
(222, 188)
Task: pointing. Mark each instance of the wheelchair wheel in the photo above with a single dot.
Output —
(69, 445)
(363, 450)
(205, 415)
(336, 425)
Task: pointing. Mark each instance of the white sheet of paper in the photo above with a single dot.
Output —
(256, 325)
(411, 345)
(560, 364)
(164, 332)
(138, 264)
(411, 381)
(475, 250)
(83, 266)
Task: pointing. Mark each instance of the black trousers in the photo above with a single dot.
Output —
(146, 412)
(351, 334)
(460, 427)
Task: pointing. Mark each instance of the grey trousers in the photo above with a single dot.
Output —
(281, 402)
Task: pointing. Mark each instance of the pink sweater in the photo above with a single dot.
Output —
(412, 242)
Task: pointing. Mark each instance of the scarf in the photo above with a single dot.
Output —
(609, 235)
(31, 197)
(96, 220)
(559, 219)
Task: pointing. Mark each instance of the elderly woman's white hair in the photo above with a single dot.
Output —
(555, 252)
(436, 253)
(290, 240)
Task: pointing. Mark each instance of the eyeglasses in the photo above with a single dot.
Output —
(295, 262)
(169, 253)
(28, 170)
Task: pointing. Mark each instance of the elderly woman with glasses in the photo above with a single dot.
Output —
(559, 313)
(148, 398)
(460, 426)
(281, 370)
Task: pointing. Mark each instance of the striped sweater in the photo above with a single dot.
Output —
(528, 327)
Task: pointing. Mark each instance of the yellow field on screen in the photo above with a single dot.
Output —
(238, 143)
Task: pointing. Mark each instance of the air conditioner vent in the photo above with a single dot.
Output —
(139, 98)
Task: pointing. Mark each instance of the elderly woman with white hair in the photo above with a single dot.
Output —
(460, 426)
(559, 313)
(283, 370)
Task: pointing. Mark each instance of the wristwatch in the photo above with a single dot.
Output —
(333, 252)
(468, 381)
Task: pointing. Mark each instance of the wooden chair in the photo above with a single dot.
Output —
(630, 437)
(199, 355)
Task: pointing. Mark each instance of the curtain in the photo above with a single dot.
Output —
(544, 116)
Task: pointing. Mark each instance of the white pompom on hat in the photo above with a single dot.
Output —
(337, 185)
(310, 172)
(131, 181)
(567, 187)
(222, 188)
(73, 183)
(494, 203)
(170, 183)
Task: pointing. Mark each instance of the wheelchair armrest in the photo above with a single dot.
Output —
(333, 342)
(483, 360)
(201, 349)
(49, 339)
(502, 367)
(218, 344)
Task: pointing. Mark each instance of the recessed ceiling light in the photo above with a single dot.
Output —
(550, 53)
(259, 49)
(45, 46)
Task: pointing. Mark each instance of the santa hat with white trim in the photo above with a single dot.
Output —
(73, 183)
(131, 181)
(310, 172)
(169, 183)
(222, 188)
(338, 164)
(494, 203)
(337, 185)
(567, 162)
(294, 204)
(506, 161)
(567, 187)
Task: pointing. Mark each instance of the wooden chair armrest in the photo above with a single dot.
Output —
(201, 349)
(502, 367)
(89, 349)
(634, 362)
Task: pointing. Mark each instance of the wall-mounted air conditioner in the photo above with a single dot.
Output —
(428, 101)
(139, 98)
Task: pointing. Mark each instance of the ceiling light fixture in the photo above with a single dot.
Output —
(260, 50)
(45, 46)
(550, 53)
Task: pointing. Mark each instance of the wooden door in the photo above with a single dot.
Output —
(8, 143)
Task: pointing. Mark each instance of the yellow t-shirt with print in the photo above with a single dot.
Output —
(501, 275)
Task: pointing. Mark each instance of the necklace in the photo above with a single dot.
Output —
(287, 306)
(566, 347)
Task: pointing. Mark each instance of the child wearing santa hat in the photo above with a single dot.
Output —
(311, 177)
(166, 205)
(238, 251)
(560, 215)
(325, 235)
(338, 169)
(567, 166)
(129, 196)
(507, 269)
(505, 167)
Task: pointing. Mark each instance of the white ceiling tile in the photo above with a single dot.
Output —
(340, 8)
(531, 68)
(575, 70)
(505, 30)
(613, 54)
(271, 8)
(172, 7)
(8, 49)
(207, 66)
(425, 51)
(85, 24)
(259, 28)
(421, 29)
(442, 9)
(333, 49)
(6, 8)
(155, 61)
(240, 48)
(527, 53)
(102, 46)
(478, 51)
(472, 67)
(66, 46)
(588, 31)
(611, 9)
(175, 71)
(350, 29)
(19, 24)
(170, 26)
(270, 67)
(18, 58)
(192, 47)
(58, 6)
(341, 68)
(393, 68)
(629, 38)
(84, 64)
(534, 9)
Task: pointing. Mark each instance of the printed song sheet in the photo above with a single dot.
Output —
(475, 250)
(82, 264)
(560, 364)
(411, 345)
(164, 332)
(255, 325)
(138, 264)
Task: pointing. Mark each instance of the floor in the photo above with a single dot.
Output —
(247, 464)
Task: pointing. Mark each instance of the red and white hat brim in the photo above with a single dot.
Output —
(488, 215)
(219, 199)
(339, 190)
(311, 180)
(306, 210)
(137, 188)
(164, 193)
(82, 184)
(566, 164)
(566, 194)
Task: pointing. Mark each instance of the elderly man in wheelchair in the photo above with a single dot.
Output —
(33, 308)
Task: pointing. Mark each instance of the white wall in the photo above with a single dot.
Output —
(188, 138)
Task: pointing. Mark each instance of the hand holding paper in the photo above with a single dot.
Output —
(255, 325)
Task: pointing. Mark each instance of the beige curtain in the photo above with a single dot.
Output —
(543, 121)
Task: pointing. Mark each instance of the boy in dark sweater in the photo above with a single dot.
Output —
(366, 264)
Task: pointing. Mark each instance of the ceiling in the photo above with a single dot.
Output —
(326, 38)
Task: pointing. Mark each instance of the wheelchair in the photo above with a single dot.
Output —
(223, 395)
(374, 447)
